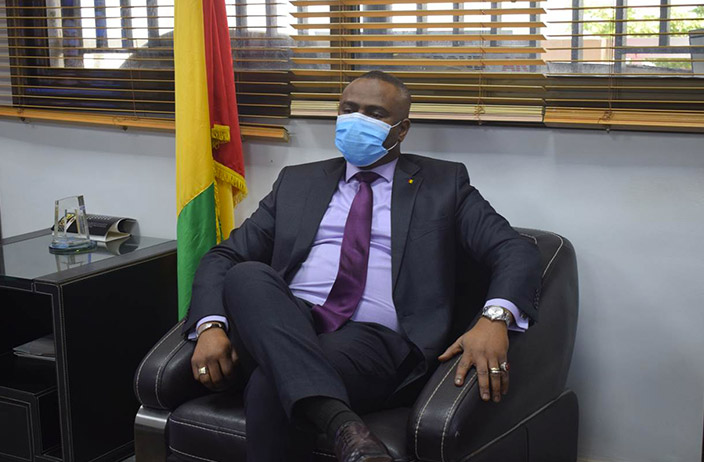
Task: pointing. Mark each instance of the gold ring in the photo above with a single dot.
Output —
(495, 370)
(202, 370)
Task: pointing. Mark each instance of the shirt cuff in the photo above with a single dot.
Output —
(520, 320)
(192, 334)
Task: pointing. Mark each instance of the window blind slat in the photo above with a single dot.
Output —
(390, 13)
(416, 37)
(419, 62)
(438, 111)
(425, 50)
(419, 25)
(304, 3)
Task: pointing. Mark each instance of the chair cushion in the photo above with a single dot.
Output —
(212, 428)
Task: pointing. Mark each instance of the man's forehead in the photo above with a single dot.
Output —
(371, 91)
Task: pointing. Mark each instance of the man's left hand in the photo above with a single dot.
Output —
(484, 346)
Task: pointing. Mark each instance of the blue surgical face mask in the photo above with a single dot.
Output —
(360, 138)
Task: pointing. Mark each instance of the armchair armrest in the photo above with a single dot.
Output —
(164, 379)
(449, 422)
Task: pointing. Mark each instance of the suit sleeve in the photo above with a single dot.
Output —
(514, 262)
(252, 241)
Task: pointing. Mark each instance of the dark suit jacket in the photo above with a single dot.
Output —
(435, 219)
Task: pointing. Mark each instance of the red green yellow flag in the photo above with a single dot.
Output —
(209, 165)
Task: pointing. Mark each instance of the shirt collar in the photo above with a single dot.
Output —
(386, 171)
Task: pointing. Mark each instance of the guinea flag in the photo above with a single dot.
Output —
(209, 165)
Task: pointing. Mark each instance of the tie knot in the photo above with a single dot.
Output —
(366, 177)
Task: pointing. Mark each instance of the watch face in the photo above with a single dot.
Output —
(494, 312)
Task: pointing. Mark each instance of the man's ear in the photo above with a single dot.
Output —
(405, 126)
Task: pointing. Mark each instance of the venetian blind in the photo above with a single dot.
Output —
(635, 64)
(472, 60)
(111, 61)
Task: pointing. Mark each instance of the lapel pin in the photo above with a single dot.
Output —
(410, 181)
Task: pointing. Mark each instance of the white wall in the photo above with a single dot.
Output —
(631, 203)
(119, 173)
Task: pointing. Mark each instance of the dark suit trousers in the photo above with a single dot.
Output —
(286, 360)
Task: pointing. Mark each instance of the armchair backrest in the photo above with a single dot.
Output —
(550, 344)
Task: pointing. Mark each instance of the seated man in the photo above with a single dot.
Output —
(336, 297)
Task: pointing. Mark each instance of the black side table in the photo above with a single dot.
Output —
(106, 309)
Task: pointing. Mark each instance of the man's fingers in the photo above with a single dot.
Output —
(495, 379)
(196, 366)
(451, 351)
(483, 378)
(462, 368)
(214, 373)
(504, 378)
(227, 367)
(205, 380)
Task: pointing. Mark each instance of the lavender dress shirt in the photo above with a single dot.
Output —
(315, 277)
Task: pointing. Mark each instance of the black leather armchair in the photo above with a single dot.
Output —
(537, 420)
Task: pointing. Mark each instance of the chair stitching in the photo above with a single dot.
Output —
(323, 454)
(144, 361)
(215, 428)
(192, 455)
(531, 237)
(461, 394)
(562, 242)
(420, 417)
(161, 367)
(201, 427)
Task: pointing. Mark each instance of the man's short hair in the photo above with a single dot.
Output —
(396, 82)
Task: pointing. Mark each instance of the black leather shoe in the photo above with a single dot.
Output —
(355, 443)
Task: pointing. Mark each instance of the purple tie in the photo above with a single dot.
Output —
(351, 277)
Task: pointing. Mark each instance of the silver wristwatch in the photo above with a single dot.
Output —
(209, 325)
(498, 313)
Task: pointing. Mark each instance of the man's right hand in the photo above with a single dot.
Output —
(215, 352)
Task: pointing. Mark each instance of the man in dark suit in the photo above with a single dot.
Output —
(336, 297)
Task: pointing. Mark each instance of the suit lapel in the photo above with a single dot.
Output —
(403, 197)
(322, 188)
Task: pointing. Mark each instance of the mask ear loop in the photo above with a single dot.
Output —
(397, 141)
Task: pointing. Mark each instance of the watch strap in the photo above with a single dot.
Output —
(209, 325)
